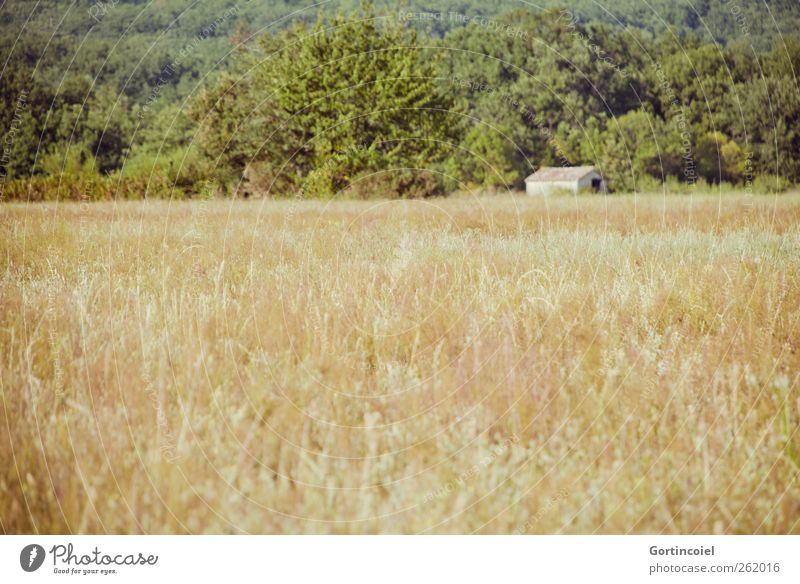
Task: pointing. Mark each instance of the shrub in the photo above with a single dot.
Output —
(345, 99)
(398, 183)
(770, 183)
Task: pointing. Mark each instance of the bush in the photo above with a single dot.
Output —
(770, 183)
(186, 168)
(351, 96)
(90, 188)
(399, 183)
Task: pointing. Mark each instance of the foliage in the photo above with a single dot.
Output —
(304, 107)
(82, 187)
(345, 98)
(640, 108)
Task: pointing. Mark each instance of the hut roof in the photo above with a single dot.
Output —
(560, 173)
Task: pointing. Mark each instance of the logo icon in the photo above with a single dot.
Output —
(31, 557)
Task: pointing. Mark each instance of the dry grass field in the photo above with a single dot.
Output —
(491, 365)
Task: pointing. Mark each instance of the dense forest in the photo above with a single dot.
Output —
(176, 98)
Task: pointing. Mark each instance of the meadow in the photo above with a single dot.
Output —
(501, 364)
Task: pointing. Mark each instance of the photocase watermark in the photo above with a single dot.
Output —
(21, 104)
(473, 471)
(99, 9)
(193, 241)
(31, 557)
(211, 28)
(549, 506)
(169, 71)
(533, 118)
(630, 403)
(586, 39)
(676, 114)
(52, 322)
(461, 19)
(166, 440)
(94, 562)
(739, 17)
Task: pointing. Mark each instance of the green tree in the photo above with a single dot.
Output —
(766, 124)
(487, 158)
(719, 158)
(636, 146)
(344, 99)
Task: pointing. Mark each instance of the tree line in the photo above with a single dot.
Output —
(405, 102)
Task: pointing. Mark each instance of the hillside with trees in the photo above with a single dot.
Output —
(178, 98)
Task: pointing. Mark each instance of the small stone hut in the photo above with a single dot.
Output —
(570, 178)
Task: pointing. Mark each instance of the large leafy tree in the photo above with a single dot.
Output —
(319, 108)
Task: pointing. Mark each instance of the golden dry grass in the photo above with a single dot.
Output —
(464, 365)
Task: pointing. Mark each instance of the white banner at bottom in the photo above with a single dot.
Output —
(400, 559)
